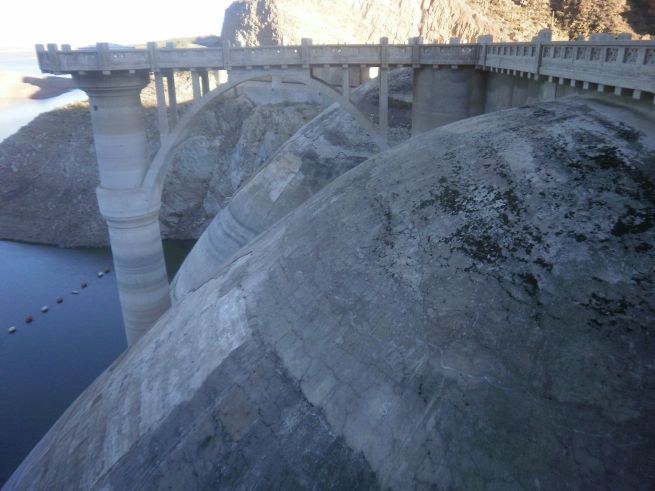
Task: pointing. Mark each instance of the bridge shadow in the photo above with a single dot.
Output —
(49, 86)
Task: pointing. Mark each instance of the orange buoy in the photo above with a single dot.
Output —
(59, 299)
(28, 319)
(107, 269)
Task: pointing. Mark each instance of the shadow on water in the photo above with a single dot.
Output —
(46, 364)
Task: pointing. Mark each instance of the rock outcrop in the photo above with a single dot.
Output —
(49, 171)
(472, 309)
(266, 22)
(328, 146)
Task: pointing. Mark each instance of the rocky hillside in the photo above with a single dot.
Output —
(229, 142)
(265, 22)
(473, 309)
(49, 171)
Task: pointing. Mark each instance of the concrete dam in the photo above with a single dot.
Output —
(471, 309)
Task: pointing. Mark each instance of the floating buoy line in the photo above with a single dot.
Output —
(59, 300)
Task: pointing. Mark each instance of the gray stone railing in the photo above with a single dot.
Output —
(55, 60)
(622, 64)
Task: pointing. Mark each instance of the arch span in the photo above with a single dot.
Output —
(153, 182)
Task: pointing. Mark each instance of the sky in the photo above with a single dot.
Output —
(82, 22)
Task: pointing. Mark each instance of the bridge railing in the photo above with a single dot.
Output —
(624, 64)
(267, 55)
(102, 58)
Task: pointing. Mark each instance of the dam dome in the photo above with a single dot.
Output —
(472, 309)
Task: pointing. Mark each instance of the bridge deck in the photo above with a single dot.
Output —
(623, 64)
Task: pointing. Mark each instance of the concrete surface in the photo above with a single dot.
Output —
(472, 309)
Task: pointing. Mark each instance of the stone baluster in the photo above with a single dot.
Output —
(226, 55)
(103, 57)
(305, 47)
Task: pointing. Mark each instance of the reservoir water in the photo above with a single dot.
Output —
(47, 363)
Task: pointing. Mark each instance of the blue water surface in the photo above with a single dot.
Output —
(46, 364)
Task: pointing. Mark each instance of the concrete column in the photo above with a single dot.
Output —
(172, 98)
(345, 82)
(195, 82)
(121, 149)
(442, 96)
(204, 79)
(384, 102)
(383, 76)
(161, 105)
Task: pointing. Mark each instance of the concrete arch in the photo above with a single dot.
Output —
(153, 182)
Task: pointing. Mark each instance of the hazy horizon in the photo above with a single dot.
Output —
(123, 22)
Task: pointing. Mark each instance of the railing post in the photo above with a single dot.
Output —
(305, 44)
(152, 55)
(53, 57)
(226, 55)
(103, 57)
(484, 42)
(416, 51)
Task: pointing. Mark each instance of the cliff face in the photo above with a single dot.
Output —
(473, 309)
(265, 22)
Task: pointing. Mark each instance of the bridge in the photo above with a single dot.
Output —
(451, 82)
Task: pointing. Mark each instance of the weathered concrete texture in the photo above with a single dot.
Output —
(470, 310)
(228, 143)
(445, 95)
(56, 152)
(328, 146)
(234, 414)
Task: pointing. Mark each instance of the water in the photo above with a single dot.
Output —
(45, 365)
(15, 114)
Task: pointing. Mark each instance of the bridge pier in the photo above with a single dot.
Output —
(132, 219)
(446, 94)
